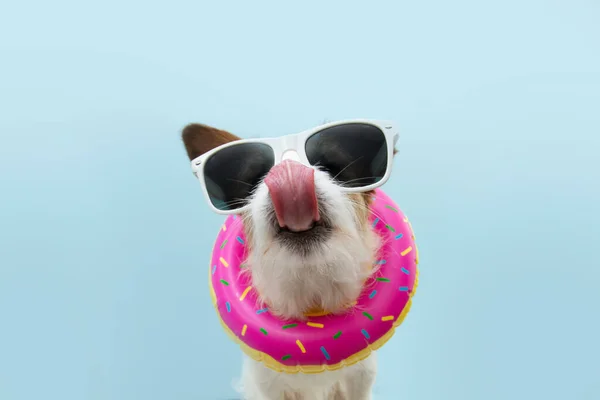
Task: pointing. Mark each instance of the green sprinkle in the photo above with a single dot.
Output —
(366, 314)
(289, 326)
(224, 243)
(383, 279)
(263, 330)
(390, 228)
(286, 357)
(391, 208)
(224, 282)
(337, 335)
(242, 265)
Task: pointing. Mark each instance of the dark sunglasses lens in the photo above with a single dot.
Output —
(232, 174)
(353, 154)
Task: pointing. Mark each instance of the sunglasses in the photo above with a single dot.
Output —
(357, 154)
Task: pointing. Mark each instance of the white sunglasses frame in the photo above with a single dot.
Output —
(296, 143)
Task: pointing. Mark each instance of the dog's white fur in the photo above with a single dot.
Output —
(329, 277)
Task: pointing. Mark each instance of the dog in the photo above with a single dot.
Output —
(310, 249)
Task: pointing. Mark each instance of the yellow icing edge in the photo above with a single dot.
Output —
(315, 369)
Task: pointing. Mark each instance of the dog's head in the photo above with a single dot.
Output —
(311, 246)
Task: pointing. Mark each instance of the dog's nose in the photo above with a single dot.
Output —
(292, 189)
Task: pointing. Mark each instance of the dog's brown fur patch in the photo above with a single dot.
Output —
(361, 202)
(198, 139)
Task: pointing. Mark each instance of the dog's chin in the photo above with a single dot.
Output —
(306, 242)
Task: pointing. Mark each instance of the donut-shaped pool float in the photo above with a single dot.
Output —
(325, 342)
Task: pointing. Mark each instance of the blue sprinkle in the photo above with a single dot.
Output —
(403, 288)
(234, 216)
(407, 272)
(228, 306)
(214, 269)
(381, 262)
(325, 353)
(239, 239)
(365, 334)
(373, 293)
(264, 310)
(375, 222)
(398, 236)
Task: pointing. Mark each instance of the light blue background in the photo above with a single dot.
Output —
(105, 235)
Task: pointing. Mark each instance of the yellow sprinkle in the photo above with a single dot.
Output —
(417, 254)
(243, 296)
(315, 325)
(405, 219)
(405, 252)
(224, 228)
(388, 318)
(299, 343)
(225, 263)
(244, 329)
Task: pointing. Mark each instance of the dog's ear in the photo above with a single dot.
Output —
(198, 139)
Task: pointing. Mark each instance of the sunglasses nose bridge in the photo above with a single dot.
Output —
(289, 142)
(289, 148)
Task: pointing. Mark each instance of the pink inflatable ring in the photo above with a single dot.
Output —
(324, 342)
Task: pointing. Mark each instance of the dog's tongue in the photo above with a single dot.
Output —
(292, 189)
